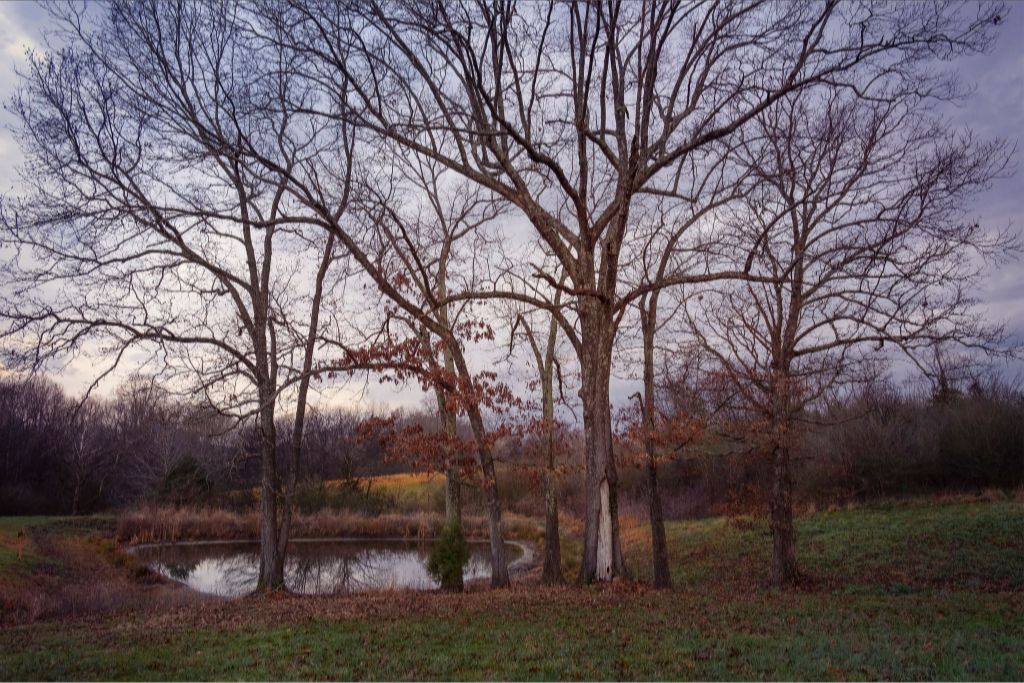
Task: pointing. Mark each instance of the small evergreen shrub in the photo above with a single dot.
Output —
(448, 556)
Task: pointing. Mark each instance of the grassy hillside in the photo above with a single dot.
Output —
(410, 491)
(919, 590)
(914, 544)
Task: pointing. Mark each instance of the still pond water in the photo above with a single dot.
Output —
(312, 567)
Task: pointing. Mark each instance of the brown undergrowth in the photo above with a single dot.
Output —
(60, 576)
(169, 524)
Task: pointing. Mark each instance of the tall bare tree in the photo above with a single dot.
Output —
(418, 232)
(147, 229)
(861, 236)
(543, 343)
(673, 241)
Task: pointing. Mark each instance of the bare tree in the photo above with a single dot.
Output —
(673, 241)
(543, 344)
(860, 235)
(572, 112)
(147, 228)
(429, 240)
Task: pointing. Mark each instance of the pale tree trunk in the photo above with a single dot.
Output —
(448, 419)
(452, 494)
(602, 554)
(659, 544)
(452, 483)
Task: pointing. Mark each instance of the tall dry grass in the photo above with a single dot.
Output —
(168, 524)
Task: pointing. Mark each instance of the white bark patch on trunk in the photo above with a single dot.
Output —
(604, 536)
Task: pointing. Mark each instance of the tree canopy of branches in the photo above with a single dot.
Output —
(146, 227)
(858, 227)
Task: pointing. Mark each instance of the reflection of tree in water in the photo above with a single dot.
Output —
(179, 571)
(381, 569)
(228, 569)
(344, 567)
(313, 574)
(317, 574)
(239, 573)
(479, 565)
(312, 567)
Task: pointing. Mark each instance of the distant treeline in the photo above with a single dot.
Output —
(59, 455)
(143, 445)
(882, 439)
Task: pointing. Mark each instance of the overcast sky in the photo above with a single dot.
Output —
(995, 109)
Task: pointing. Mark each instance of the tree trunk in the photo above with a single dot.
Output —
(784, 568)
(452, 484)
(271, 576)
(659, 545)
(602, 555)
(552, 543)
(452, 493)
(546, 365)
(298, 429)
(499, 564)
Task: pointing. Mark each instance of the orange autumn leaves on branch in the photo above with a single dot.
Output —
(670, 434)
(412, 360)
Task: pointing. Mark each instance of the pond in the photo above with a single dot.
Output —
(313, 566)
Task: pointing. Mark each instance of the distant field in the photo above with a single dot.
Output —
(406, 493)
(917, 590)
(405, 481)
(409, 491)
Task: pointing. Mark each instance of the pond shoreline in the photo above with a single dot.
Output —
(522, 565)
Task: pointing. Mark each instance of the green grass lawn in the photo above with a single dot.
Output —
(907, 591)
